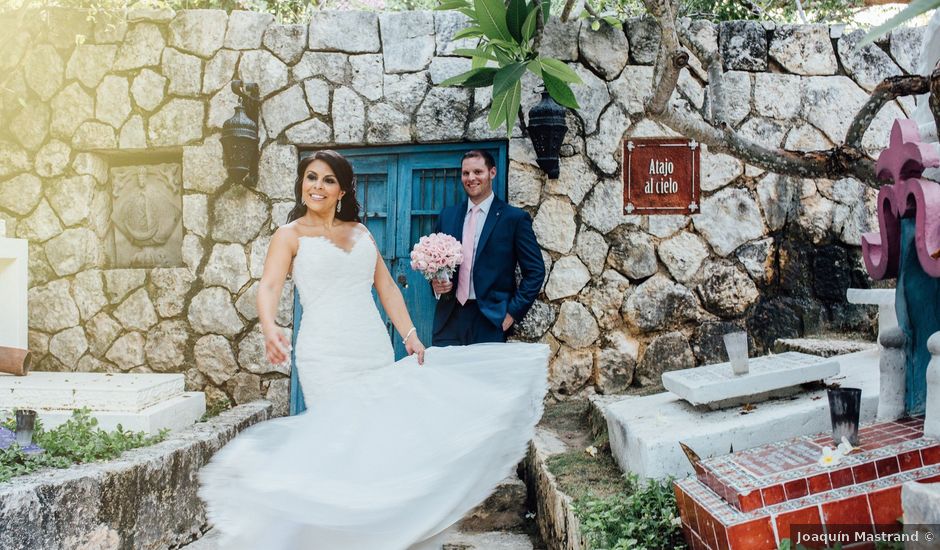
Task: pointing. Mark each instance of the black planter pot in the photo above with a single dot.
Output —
(845, 405)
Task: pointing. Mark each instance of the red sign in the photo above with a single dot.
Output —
(661, 176)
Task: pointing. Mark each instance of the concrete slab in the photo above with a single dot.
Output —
(174, 414)
(99, 392)
(14, 279)
(645, 431)
(717, 384)
(881, 297)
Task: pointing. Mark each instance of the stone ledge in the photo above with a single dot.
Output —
(146, 498)
(558, 525)
(823, 347)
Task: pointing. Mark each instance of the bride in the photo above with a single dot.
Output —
(388, 454)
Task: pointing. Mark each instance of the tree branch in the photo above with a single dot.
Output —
(888, 90)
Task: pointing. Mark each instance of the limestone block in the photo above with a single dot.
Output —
(401, 89)
(246, 29)
(318, 95)
(73, 250)
(227, 267)
(148, 89)
(69, 345)
(88, 292)
(192, 252)
(311, 132)
(89, 164)
(184, 72)
(659, 302)
(51, 307)
(214, 358)
(221, 107)
(743, 45)
(70, 108)
(220, 71)
(906, 45)
(89, 63)
(142, 47)
(94, 135)
(804, 49)
(127, 352)
(44, 70)
(643, 34)
(203, 167)
(815, 216)
(868, 65)
(728, 219)
(199, 32)
(805, 137)
(40, 226)
(177, 123)
(571, 370)
(726, 289)
(120, 282)
(554, 225)
(560, 39)
(718, 170)
(568, 277)
(166, 346)
(169, 289)
(537, 321)
(632, 253)
(329, 65)
(387, 125)
(113, 102)
(239, 214)
(284, 109)
(133, 135)
(345, 31)
(603, 207)
(683, 255)
(31, 125)
(616, 362)
(366, 74)
(446, 24)
(777, 95)
(137, 311)
(604, 147)
(591, 248)
(277, 170)
(287, 42)
(442, 115)
(779, 199)
(71, 198)
(605, 50)
(666, 353)
(348, 116)
(755, 257)
(830, 104)
(407, 40)
(666, 225)
(632, 88)
(251, 355)
(263, 68)
(593, 97)
(212, 311)
(765, 131)
(20, 194)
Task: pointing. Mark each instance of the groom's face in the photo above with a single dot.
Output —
(477, 179)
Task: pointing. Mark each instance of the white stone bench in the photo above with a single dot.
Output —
(881, 297)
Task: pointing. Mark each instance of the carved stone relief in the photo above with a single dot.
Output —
(146, 218)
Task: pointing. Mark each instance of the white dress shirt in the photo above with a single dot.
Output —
(478, 230)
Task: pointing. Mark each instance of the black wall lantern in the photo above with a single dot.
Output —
(240, 135)
(547, 130)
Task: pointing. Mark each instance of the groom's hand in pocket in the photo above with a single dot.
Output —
(442, 287)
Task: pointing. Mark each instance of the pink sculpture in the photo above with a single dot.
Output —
(903, 162)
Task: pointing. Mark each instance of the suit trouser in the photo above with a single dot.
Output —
(467, 325)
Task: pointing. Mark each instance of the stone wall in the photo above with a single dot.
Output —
(143, 258)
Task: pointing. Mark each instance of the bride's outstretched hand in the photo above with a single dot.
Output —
(414, 347)
(276, 346)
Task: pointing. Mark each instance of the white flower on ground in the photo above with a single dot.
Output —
(592, 450)
(830, 457)
(845, 447)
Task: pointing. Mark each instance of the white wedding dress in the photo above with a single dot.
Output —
(388, 454)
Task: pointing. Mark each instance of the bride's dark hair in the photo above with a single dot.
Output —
(349, 204)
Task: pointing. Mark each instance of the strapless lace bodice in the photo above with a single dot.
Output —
(339, 313)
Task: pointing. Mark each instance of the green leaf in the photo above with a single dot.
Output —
(595, 25)
(507, 76)
(492, 17)
(505, 107)
(453, 5)
(474, 78)
(469, 32)
(516, 13)
(478, 62)
(913, 9)
(475, 52)
(559, 70)
(546, 10)
(528, 27)
(469, 12)
(560, 91)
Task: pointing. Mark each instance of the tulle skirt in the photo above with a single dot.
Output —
(384, 460)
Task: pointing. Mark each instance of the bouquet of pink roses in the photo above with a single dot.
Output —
(436, 256)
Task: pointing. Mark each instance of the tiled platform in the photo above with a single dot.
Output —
(749, 500)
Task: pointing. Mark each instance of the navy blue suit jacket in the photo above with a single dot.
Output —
(507, 240)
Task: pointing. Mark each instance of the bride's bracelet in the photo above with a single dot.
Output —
(410, 332)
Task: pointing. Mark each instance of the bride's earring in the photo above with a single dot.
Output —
(339, 206)
(303, 201)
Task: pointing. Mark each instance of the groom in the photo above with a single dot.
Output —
(484, 302)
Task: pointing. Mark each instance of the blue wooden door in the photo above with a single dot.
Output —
(402, 190)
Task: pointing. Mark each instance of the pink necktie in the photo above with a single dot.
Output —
(466, 267)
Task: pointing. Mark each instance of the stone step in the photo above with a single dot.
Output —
(454, 541)
(505, 509)
(823, 346)
(96, 391)
(173, 414)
